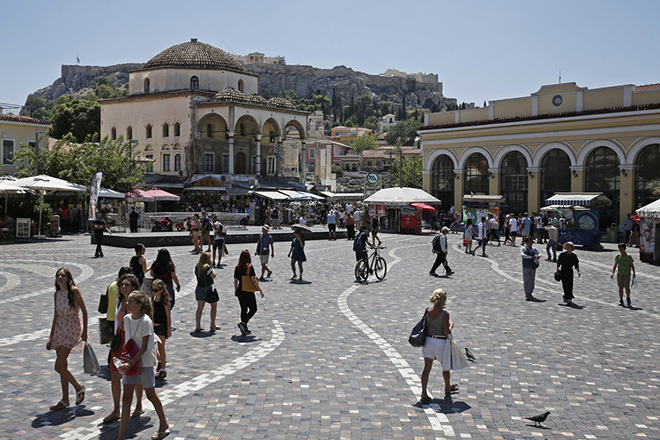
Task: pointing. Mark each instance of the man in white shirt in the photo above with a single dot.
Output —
(440, 249)
(553, 237)
(513, 229)
(357, 217)
(482, 237)
(332, 225)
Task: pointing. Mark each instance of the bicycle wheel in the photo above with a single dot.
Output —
(380, 267)
(361, 271)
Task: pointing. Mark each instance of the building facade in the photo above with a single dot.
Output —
(16, 130)
(193, 109)
(563, 138)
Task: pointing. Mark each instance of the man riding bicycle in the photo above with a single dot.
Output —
(360, 244)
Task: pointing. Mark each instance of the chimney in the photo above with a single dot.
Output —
(193, 40)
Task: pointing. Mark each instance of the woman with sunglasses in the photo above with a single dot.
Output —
(162, 323)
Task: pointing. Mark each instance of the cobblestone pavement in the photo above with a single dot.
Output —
(330, 360)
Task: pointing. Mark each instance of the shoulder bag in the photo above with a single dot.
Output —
(90, 361)
(247, 285)
(127, 353)
(417, 337)
(454, 358)
(211, 294)
(103, 303)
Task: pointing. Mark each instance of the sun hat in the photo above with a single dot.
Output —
(568, 243)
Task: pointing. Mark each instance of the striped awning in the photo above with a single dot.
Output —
(578, 199)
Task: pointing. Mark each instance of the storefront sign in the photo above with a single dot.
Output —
(207, 182)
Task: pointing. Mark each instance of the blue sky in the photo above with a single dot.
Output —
(481, 49)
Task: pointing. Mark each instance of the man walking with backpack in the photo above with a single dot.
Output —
(440, 249)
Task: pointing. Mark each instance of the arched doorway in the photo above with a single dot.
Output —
(239, 164)
(442, 180)
(513, 182)
(647, 167)
(555, 174)
(602, 175)
(476, 175)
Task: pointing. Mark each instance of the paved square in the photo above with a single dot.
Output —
(330, 360)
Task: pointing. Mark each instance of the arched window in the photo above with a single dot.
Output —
(602, 175)
(177, 162)
(555, 174)
(476, 175)
(166, 130)
(194, 83)
(240, 85)
(129, 133)
(148, 131)
(442, 180)
(166, 162)
(513, 182)
(647, 167)
(147, 84)
(177, 129)
(113, 134)
(209, 130)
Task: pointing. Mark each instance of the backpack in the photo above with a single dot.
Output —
(436, 244)
(357, 244)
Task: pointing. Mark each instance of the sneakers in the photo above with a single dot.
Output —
(244, 329)
(629, 303)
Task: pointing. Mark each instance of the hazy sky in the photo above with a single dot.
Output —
(480, 49)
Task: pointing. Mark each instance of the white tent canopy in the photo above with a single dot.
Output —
(47, 183)
(651, 211)
(106, 193)
(400, 197)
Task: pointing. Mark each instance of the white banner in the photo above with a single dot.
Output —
(95, 187)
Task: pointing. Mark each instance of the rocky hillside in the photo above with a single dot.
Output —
(419, 91)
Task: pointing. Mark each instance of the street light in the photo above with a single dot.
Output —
(36, 161)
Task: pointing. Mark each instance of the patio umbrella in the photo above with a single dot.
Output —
(158, 194)
(44, 184)
(7, 187)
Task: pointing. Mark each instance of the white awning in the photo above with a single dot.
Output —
(106, 193)
(483, 198)
(272, 195)
(652, 210)
(578, 199)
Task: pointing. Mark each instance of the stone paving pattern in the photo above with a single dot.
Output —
(317, 370)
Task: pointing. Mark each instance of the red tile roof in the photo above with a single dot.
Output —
(648, 87)
(23, 119)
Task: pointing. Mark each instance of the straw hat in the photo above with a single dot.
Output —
(568, 243)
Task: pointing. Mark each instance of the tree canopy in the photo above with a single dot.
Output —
(365, 142)
(403, 132)
(79, 117)
(410, 175)
(78, 163)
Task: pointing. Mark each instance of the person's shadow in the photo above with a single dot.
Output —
(56, 418)
(445, 405)
(245, 339)
(297, 281)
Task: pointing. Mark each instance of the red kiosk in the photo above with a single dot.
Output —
(400, 209)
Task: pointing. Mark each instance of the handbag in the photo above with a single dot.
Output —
(127, 353)
(558, 275)
(417, 336)
(247, 285)
(453, 358)
(211, 294)
(103, 303)
(106, 330)
(90, 361)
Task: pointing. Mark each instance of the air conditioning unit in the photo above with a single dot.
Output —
(253, 182)
(223, 178)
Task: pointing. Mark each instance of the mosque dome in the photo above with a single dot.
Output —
(195, 55)
(258, 100)
(230, 94)
(281, 103)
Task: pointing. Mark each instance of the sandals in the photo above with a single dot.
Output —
(160, 434)
(80, 396)
(137, 414)
(453, 389)
(215, 327)
(110, 419)
(59, 405)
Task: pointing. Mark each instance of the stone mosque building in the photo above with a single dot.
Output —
(195, 111)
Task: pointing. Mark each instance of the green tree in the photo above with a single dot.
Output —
(410, 175)
(371, 122)
(80, 117)
(403, 132)
(78, 163)
(365, 142)
(338, 170)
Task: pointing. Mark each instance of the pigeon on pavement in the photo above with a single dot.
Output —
(469, 354)
(539, 418)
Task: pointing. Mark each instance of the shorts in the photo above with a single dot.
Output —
(332, 227)
(623, 280)
(513, 234)
(360, 255)
(524, 234)
(263, 259)
(196, 234)
(434, 348)
(206, 234)
(147, 379)
(218, 244)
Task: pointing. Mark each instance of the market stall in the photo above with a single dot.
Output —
(649, 228)
(395, 210)
(476, 206)
(584, 228)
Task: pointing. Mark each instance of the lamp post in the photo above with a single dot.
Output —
(36, 144)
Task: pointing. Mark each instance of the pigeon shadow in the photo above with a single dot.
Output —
(56, 418)
(536, 426)
(245, 339)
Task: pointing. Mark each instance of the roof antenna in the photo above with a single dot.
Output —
(559, 76)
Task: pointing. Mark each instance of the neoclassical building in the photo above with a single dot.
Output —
(193, 109)
(563, 138)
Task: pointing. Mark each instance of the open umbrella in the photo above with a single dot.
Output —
(158, 194)
(44, 184)
(7, 187)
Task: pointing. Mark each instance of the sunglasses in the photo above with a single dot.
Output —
(156, 290)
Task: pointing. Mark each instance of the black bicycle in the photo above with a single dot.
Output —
(373, 264)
